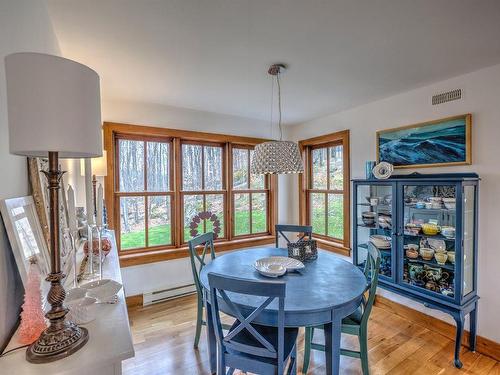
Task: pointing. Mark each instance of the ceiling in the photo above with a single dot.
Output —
(213, 55)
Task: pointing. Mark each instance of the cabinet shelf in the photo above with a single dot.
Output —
(437, 236)
(433, 263)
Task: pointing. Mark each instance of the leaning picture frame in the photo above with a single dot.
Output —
(25, 235)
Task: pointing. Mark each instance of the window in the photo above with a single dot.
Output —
(144, 182)
(160, 179)
(250, 195)
(202, 186)
(324, 189)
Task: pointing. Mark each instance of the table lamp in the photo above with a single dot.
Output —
(54, 110)
(99, 168)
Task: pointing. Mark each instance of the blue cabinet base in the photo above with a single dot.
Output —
(458, 313)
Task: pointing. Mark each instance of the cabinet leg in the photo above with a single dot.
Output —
(473, 328)
(459, 319)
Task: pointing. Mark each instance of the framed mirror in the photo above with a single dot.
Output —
(25, 235)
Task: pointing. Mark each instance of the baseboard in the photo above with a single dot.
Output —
(134, 301)
(484, 346)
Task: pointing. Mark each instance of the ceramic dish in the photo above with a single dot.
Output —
(103, 290)
(277, 266)
(438, 246)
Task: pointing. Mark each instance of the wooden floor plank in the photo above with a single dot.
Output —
(163, 339)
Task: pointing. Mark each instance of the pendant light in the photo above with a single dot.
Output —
(277, 157)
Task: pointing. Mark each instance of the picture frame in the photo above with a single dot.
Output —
(25, 235)
(442, 142)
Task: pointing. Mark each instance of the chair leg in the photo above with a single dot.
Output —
(307, 348)
(363, 348)
(199, 320)
(292, 369)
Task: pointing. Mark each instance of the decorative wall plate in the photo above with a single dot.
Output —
(383, 170)
(277, 266)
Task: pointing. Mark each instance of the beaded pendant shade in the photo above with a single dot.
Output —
(277, 157)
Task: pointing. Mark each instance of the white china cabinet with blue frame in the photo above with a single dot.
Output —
(425, 226)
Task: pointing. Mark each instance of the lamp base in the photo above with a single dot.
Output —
(54, 344)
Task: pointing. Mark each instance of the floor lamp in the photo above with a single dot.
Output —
(54, 111)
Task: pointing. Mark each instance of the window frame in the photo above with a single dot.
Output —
(250, 191)
(119, 194)
(306, 188)
(178, 248)
(204, 193)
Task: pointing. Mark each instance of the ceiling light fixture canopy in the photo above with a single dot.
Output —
(277, 157)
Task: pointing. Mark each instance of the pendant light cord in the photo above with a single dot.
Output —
(279, 104)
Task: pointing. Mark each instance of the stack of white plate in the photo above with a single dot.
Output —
(381, 242)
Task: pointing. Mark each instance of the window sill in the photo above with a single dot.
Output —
(152, 256)
(334, 247)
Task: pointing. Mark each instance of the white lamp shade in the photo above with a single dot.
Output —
(99, 165)
(53, 105)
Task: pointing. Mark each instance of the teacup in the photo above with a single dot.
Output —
(441, 258)
(451, 256)
(426, 253)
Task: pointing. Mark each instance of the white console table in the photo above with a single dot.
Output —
(110, 341)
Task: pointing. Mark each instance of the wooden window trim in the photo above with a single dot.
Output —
(178, 249)
(305, 179)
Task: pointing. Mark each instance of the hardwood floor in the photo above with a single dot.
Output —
(163, 339)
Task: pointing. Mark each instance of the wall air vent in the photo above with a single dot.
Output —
(447, 96)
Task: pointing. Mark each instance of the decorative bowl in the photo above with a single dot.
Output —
(441, 258)
(420, 205)
(430, 229)
(448, 232)
(380, 241)
(426, 253)
(103, 290)
(82, 310)
(277, 266)
(451, 256)
(428, 205)
(412, 253)
(75, 294)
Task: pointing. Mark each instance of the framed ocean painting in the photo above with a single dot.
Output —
(436, 143)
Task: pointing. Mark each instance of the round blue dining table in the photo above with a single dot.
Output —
(323, 293)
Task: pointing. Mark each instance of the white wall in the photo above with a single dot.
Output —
(161, 275)
(482, 99)
(24, 26)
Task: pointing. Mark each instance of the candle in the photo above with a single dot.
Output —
(73, 226)
(89, 201)
(99, 206)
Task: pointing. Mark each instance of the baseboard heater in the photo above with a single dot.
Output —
(166, 294)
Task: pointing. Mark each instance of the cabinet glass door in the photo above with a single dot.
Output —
(469, 207)
(429, 221)
(374, 223)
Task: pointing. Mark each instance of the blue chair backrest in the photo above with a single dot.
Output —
(198, 260)
(220, 286)
(280, 229)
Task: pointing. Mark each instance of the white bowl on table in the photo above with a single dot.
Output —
(277, 266)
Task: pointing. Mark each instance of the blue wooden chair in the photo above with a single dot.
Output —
(357, 322)
(280, 230)
(197, 263)
(248, 346)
